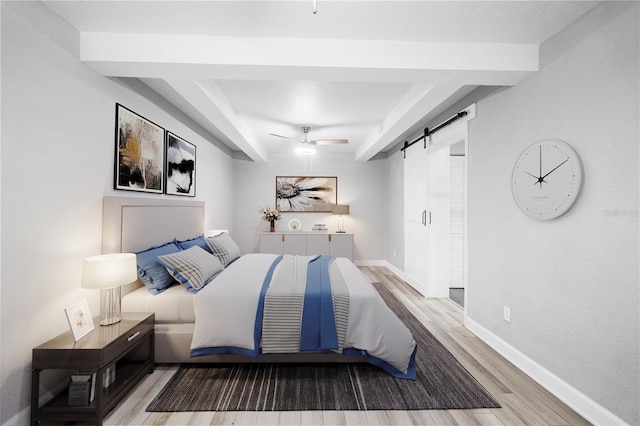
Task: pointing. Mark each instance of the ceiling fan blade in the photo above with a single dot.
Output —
(329, 141)
(285, 137)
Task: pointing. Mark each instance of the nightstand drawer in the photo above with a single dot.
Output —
(127, 340)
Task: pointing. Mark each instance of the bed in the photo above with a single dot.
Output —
(185, 317)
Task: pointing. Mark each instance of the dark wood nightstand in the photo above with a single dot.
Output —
(128, 345)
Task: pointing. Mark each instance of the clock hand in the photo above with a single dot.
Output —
(552, 170)
(538, 179)
(540, 172)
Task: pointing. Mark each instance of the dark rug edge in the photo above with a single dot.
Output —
(491, 401)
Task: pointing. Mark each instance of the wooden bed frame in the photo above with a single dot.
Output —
(131, 224)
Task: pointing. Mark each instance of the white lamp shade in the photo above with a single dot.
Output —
(340, 209)
(109, 270)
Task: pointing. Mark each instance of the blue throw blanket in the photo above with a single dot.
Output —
(318, 331)
(318, 324)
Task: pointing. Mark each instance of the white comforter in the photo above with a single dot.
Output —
(226, 311)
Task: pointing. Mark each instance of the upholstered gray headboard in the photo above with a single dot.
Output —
(133, 224)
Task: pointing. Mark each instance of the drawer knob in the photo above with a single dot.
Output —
(133, 336)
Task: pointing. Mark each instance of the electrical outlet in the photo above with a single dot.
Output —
(507, 314)
(394, 252)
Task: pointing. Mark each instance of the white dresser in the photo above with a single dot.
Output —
(307, 243)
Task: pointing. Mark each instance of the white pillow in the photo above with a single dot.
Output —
(224, 248)
(193, 267)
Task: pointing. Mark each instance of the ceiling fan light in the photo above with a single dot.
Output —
(305, 151)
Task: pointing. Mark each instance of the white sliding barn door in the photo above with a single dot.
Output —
(415, 222)
(426, 195)
(438, 230)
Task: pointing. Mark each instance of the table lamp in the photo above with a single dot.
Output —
(108, 272)
(341, 209)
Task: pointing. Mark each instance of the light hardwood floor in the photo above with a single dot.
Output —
(523, 401)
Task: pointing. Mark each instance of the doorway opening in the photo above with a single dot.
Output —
(457, 171)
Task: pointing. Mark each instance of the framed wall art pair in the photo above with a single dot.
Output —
(152, 159)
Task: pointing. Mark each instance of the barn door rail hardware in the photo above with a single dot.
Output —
(428, 132)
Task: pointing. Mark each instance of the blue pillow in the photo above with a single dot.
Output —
(198, 241)
(151, 272)
(193, 267)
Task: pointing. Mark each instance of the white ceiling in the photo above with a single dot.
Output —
(372, 72)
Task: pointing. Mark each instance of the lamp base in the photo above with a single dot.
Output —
(110, 312)
(340, 225)
(109, 320)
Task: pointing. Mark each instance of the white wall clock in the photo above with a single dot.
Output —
(546, 179)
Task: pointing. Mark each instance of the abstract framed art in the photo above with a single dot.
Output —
(306, 193)
(181, 167)
(140, 153)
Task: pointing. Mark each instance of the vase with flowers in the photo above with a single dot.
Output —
(270, 215)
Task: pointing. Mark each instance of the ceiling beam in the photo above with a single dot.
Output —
(199, 57)
(213, 107)
(419, 101)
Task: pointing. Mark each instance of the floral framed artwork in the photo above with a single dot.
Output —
(140, 153)
(180, 167)
(306, 193)
(80, 320)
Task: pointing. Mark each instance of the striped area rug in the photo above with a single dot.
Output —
(442, 383)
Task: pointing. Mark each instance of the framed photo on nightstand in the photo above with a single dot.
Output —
(79, 318)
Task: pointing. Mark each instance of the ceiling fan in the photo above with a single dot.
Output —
(305, 130)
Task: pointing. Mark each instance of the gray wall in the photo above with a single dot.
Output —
(395, 209)
(58, 121)
(361, 185)
(572, 282)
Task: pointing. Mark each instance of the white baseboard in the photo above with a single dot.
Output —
(384, 263)
(399, 273)
(370, 262)
(580, 403)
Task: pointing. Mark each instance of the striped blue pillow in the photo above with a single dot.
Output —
(193, 267)
(224, 248)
